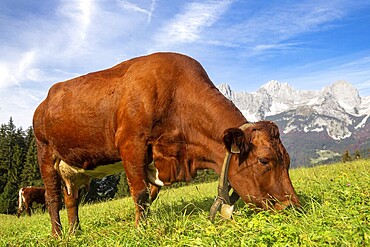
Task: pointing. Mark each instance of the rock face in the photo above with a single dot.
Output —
(335, 118)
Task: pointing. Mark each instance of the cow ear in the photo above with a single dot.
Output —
(236, 143)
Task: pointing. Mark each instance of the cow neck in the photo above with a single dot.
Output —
(220, 114)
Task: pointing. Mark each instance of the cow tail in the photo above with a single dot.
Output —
(20, 201)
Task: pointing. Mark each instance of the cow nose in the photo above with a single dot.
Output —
(282, 205)
(290, 202)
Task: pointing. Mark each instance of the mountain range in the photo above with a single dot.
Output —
(316, 126)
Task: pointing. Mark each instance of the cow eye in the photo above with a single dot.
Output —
(263, 161)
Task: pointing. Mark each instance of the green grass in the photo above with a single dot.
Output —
(336, 212)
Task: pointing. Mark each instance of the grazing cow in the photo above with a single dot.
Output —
(29, 195)
(164, 119)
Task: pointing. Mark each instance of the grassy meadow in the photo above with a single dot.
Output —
(336, 212)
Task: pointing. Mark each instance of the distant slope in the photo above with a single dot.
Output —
(333, 119)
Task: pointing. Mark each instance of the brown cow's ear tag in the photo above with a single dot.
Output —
(235, 149)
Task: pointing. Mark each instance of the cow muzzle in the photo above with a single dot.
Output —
(226, 201)
(275, 204)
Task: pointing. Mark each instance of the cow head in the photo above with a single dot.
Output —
(259, 166)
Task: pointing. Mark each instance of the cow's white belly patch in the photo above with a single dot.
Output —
(153, 175)
(75, 177)
(103, 171)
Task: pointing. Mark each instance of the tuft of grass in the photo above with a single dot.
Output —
(335, 211)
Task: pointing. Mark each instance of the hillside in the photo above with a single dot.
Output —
(311, 122)
(335, 211)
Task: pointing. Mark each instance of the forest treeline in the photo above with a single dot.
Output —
(19, 168)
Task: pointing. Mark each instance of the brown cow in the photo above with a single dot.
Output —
(164, 119)
(29, 195)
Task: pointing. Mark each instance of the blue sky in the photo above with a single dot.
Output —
(245, 43)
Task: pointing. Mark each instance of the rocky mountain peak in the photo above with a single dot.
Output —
(276, 88)
(226, 90)
(346, 95)
(312, 122)
(338, 103)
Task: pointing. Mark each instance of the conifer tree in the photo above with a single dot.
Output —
(12, 155)
(123, 189)
(31, 175)
(357, 154)
(17, 164)
(3, 158)
(9, 198)
(7, 143)
(102, 189)
(29, 137)
(346, 157)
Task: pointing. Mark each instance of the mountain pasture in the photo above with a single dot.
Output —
(335, 211)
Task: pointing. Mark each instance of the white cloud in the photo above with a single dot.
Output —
(20, 104)
(277, 24)
(73, 33)
(353, 69)
(187, 26)
(135, 7)
(13, 72)
(80, 13)
(364, 87)
(6, 76)
(79, 37)
(39, 43)
(279, 46)
(26, 62)
(47, 42)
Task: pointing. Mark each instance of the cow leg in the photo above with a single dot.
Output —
(72, 182)
(135, 161)
(28, 209)
(52, 184)
(19, 212)
(154, 190)
(71, 203)
(138, 189)
(20, 202)
(53, 200)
